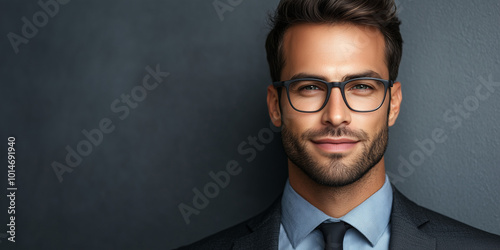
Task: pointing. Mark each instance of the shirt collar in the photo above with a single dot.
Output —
(370, 218)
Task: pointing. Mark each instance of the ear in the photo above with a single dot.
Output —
(273, 105)
(396, 98)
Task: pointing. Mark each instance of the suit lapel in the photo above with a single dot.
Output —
(406, 218)
(264, 228)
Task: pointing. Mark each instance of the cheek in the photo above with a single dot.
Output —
(299, 122)
(371, 122)
(375, 121)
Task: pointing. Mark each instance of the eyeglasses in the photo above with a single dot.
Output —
(309, 95)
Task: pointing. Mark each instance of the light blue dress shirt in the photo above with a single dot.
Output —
(370, 221)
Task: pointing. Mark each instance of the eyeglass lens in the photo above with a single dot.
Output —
(360, 95)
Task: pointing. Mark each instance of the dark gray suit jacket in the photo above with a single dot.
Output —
(412, 227)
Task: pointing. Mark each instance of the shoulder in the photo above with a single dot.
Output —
(446, 231)
(221, 240)
(262, 227)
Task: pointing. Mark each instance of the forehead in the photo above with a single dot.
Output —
(333, 50)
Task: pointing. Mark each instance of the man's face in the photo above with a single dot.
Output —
(335, 146)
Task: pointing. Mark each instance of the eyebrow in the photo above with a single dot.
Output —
(368, 73)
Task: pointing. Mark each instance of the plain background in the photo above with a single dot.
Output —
(125, 194)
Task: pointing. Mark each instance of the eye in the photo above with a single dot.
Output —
(361, 87)
(310, 87)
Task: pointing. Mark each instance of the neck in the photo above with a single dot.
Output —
(337, 201)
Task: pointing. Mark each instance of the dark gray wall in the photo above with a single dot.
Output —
(451, 49)
(209, 111)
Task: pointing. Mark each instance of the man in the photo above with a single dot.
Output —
(334, 64)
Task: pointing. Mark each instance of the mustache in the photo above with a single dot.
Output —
(335, 132)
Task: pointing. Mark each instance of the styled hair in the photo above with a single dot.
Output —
(380, 14)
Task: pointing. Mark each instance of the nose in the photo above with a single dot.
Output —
(336, 113)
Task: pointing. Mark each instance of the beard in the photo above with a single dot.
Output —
(336, 172)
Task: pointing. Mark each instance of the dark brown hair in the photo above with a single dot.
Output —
(380, 14)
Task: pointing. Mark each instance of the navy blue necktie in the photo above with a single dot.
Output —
(333, 234)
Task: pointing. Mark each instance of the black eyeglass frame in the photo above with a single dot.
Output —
(387, 84)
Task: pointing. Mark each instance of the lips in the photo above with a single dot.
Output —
(335, 145)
